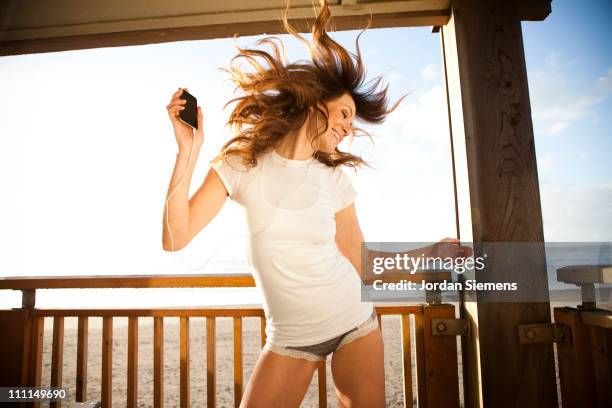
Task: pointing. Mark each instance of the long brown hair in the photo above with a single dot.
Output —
(279, 99)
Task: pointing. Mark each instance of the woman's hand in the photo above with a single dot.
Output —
(450, 248)
(184, 133)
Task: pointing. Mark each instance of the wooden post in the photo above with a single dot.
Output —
(498, 196)
(601, 354)
(441, 376)
(15, 347)
(575, 364)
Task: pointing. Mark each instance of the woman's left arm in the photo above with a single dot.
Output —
(349, 236)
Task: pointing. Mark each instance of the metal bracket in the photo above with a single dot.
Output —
(450, 327)
(545, 333)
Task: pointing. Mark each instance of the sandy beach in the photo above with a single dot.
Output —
(225, 393)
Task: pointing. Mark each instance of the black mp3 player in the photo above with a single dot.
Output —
(189, 115)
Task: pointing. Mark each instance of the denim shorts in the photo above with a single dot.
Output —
(320, 351)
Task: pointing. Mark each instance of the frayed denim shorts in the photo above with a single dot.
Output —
(320, 351)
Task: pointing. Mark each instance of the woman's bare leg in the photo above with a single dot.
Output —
(358, 369)
(278, 381)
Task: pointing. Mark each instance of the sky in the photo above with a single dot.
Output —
(87, 151)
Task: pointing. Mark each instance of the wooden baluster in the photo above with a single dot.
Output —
(81, 370)
(237, 361)
(57, 356)
(420, 359)
(184, 363)
(211, 381)
(262, 330)
(407, 361)
(107, 361)
(36, 347)
(158, 362)
(132, 380)
(322, 376)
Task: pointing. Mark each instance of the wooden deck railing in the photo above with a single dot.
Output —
(584, 340)
(436, 354)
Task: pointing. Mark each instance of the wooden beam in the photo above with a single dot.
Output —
(497, 177)
(533, 10)
(32, 29)
(144, 312)
(128, 281)
(175, 281)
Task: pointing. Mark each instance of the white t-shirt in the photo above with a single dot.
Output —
(311, 291)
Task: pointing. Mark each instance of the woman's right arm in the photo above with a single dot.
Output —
(183, 217)
(189, 217)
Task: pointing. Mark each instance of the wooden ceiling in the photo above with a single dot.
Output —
(34, 26)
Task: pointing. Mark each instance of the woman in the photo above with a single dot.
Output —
(284, 167)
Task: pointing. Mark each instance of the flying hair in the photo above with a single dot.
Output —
(280, 96)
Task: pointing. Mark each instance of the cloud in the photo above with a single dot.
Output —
(394, 77)
(558, 59)
(604, 83)
(556, 127)
(545, 163)
(559, 99)
(430, 72)
(420, 120)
